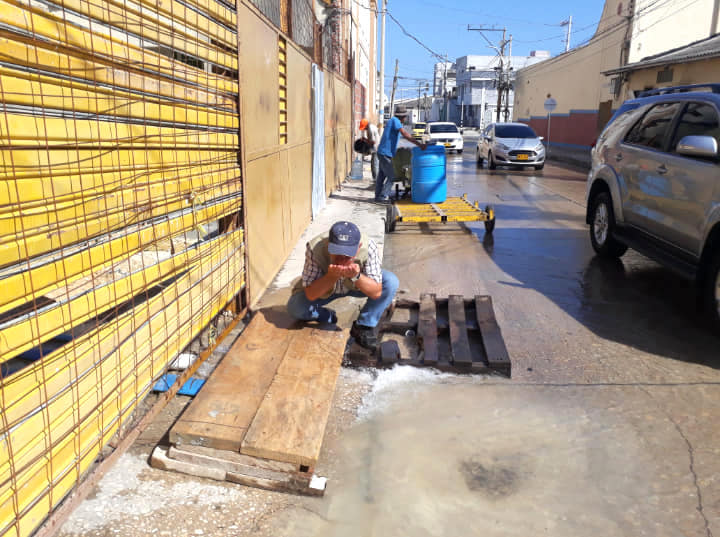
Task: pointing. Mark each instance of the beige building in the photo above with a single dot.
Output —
(627, 32)
(697, 63)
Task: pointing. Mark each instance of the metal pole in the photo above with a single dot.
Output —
(547, 152)
(567, 39)
(381, 89)
(392, 95)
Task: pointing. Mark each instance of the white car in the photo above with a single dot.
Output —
(446, 134)
(510, 144)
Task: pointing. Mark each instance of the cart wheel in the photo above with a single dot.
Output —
(490, 224)
(390, 219)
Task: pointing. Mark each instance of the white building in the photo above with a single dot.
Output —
(476, 98)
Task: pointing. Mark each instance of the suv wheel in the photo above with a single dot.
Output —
(602, 223)
(711, 291)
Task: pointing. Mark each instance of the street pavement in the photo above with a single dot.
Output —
(607, 426)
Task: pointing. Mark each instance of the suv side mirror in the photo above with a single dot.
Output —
(697, 146)
(541, 138)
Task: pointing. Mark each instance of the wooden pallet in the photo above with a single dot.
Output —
(451, 334)
(261, 416)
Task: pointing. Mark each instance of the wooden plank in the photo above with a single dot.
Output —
(495, 350)
(20, 287)
(459, 344)
(230, 461)
(148, 24)
(427, 328)
(38, 22)
(233, 457)
(290, 423)
(40, 91)
(203, 89)
(221, 414)
(47, 132)
(114, 209)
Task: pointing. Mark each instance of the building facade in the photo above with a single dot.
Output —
(627, 31)
(476, 98)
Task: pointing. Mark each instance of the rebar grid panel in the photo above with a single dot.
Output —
(120, 221)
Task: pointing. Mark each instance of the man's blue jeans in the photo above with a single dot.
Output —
(301, 308)
(385, 177)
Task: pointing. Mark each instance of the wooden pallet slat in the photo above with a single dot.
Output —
(427, 328)
(495, 350)
(459, 342)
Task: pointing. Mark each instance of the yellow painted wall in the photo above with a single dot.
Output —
(278, 179)
(574, 79)
(697, 72)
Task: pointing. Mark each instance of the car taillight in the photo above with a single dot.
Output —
(592, 146)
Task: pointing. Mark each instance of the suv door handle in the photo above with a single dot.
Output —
(662, 169)
(618, 157)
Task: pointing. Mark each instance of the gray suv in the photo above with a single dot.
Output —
(654, 185)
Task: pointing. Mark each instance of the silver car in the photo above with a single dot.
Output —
(654, 186)
(510, 144)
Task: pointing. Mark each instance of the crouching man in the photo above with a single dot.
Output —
(344, 263)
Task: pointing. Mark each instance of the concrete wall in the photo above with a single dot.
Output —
(697, 72)
(278, 182)
(668, 25)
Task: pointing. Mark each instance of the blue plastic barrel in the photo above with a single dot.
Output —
(429, 184)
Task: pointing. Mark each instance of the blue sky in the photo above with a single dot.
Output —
(442, 26)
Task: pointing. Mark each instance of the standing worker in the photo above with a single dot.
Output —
(371, 134)
(343, 263)
(386, 151)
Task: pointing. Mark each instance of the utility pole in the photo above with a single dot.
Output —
(392, 95)
(502, 83)
(381, 89)
(445, 91)
(567, 23)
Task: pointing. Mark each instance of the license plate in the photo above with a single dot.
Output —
(448, 145)
(522, 157)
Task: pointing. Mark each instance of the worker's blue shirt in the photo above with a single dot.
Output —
(389, 140)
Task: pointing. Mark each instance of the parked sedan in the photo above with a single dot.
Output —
(418, 130)
(510, 144)
(446, 134)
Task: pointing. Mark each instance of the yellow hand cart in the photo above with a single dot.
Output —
(451, 210)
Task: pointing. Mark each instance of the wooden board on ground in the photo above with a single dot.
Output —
(222, 412)
(427, 328)
(290, 422)
(454, 334)
(495, 350)
(459, 342)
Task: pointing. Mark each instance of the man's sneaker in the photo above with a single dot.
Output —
(328, 316)
(365, 336)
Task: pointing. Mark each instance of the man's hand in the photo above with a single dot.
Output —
(422, 146)
(351, 270)
(337, 271)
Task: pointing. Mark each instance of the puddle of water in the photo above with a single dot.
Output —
(443, 455)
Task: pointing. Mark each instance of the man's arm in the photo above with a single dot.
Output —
(366, 285)
(409, 138)
(322, 285)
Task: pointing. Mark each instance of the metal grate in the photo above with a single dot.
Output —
(303, 20)
(269, 8)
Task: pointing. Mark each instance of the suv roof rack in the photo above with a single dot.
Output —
(713, 88)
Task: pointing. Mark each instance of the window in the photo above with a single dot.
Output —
(514, 131)
(698, 119)
(443, 127)
(666, 75)
(652, 129)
